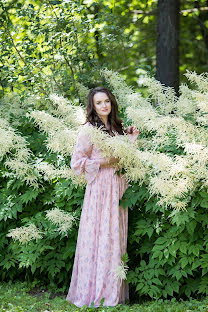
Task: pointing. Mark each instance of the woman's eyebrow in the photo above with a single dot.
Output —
(104, 100)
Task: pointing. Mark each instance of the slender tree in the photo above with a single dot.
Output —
(167, 67)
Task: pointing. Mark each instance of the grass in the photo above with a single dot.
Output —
(18, 297)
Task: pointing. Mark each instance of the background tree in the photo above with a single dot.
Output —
(55, 44)
(167, 66)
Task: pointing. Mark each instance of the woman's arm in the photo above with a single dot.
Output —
(80, 160)
(108, 162)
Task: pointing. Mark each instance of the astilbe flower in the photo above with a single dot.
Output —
(14, 147)
(126, 95)
(201, 101)
(200, 80)
(197, 150)
(121, 271)
(138, 169)
(187, 132)
(13, 107)
(71, 114)
(171, 179)
(186, 103)
(118, 146)
(62, 219)
(170, 191)
(197, 155)
(61, 138)
(23, 170)
(148, 120)
(25, 233)
(6, 141)
(46, 122)
(62, 141)
(202, 108)
(51, 172)
(144, 118)
(157, 169)
(164, 97)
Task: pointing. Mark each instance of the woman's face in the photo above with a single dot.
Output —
(102, 104)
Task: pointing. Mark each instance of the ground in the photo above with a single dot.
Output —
(18, 297)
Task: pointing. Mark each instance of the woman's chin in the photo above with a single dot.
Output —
(104, 114)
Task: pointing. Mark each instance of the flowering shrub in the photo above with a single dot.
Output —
(166, 170)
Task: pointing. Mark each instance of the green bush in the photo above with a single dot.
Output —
(50, 259)
(167, 248)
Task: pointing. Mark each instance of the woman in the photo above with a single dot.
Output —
(102, 236)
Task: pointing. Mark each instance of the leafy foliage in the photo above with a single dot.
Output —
(168, 248)
(54, 45)
(51, 258)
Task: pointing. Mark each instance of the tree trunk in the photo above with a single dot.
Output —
(167, 65)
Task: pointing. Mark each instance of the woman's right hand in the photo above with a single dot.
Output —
(113, 160)
(109, 162)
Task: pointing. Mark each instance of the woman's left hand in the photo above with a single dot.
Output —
(132, 133)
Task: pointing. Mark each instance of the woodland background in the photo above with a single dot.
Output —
(59, 47)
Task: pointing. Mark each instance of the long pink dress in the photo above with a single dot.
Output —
(103, 229)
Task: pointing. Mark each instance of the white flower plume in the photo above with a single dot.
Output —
(17, 153)
(72, 115)
(200, 80)
(126, 95)
(164, 97)
(25, 234)
(50, 172)
(121, 271)
(62, 219)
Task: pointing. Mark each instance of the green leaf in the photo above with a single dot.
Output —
(166, 253)
(191, 226)
(204, 203)
(161, 240)
(139, 286)
(125, 257)
(184, 262)
(169, 289)
(183, 247)
(196, 264)
(150, 231)
(156, 281)
(178, 275)
(157, 254)
(172, 250)
(29, 195)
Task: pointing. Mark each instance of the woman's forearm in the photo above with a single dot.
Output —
(104, 163)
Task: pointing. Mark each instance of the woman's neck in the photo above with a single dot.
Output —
(106, 123)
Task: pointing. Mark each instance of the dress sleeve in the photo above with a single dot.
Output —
(80, 160)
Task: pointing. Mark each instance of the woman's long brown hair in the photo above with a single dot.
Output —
(113, 119)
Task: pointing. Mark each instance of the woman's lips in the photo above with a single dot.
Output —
(104, 110)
